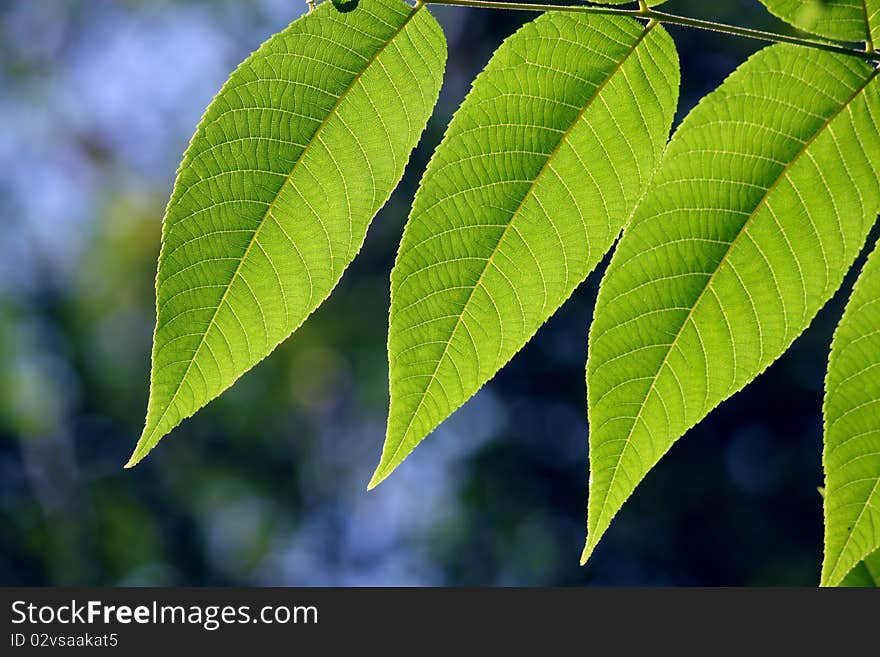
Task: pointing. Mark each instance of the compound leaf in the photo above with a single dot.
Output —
(293, 158)
(835, 19)
(852, 432)
(536, 175)
(763, 200)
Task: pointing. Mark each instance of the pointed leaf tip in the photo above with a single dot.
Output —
(382, 472)
(140, 451)
(585, 555)
(589, 548)
(375, 480)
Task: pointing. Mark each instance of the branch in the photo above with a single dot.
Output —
(647, 13)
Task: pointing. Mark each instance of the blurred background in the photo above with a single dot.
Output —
(267, 486)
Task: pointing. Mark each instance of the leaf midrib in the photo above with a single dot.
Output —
(770, 190)
(146, 446)
(562, 140)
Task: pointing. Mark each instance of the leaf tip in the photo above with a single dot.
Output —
(588, 552)
(381, 474)
(392, 457)
(143, 447)
(136, 457)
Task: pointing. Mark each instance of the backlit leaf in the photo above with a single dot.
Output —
(293, 158)
(852, 431)
(763, 200)
(538, 171)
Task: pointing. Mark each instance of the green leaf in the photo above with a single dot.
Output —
(866, 574)
(537, 173)
(852, 431)
(872, 8)
(763, 200)
(834, 19)
(293, 158)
